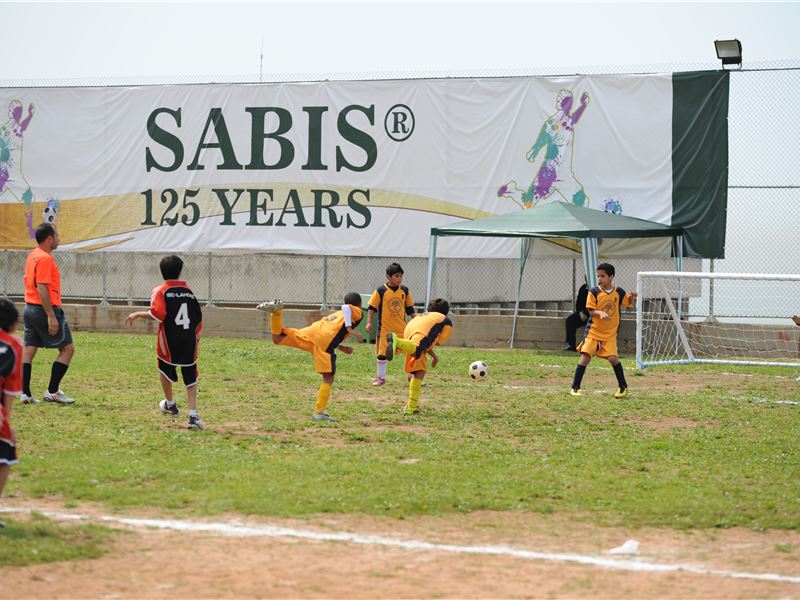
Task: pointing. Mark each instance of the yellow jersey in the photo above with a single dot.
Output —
(610, 302)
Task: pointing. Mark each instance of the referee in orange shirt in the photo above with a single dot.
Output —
(45, 324)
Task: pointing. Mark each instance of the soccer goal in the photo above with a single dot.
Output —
(720, 318)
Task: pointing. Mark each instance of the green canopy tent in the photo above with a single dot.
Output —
(555, 220)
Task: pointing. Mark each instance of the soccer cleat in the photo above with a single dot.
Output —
(2, 525)
(391, 345)
(195, 423)
(168, 409)
(378, 381)
(25, 399)
(59, 398)
(569, 348)
(322, 417)
(411, 411)
(575, 392)
(270, 306)
(621, 393)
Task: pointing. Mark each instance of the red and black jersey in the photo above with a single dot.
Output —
(180, 319)
(10, 378)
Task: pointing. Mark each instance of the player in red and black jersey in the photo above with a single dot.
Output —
(180, 321)
(10, 386)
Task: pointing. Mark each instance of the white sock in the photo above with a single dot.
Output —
(192, 413)
(170, 402)
(382, 368)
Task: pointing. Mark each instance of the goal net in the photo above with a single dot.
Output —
(724, 318)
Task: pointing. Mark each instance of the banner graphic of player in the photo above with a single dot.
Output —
(556, 173)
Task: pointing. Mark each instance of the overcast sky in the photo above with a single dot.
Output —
(66, 40)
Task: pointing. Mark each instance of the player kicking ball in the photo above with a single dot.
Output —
(320, 339)
(603, 305)
(422, 333)
(180, 321)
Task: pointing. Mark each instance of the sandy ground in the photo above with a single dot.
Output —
(149, 563)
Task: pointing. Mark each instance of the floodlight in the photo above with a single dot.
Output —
(729, 52)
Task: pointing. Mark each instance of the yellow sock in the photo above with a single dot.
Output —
(323, 395)
(406, 346)
(414, 389)
(276, 322)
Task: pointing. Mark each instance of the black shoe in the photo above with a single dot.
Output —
(195, 423)
(168, 409)
(391, 345)
(569, 348)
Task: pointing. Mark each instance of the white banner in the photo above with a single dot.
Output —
(344, 168)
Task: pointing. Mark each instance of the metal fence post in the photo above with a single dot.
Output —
(5, 273)
(711, 318)
(324, 283)
(210, 303)
(104, 300)
(574, 289)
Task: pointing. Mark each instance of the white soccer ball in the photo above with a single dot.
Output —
(478, 371)
(49, 215)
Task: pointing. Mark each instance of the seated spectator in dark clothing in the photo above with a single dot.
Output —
(577, 319)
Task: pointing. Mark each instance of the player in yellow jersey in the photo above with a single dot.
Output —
(603, 305)
(422, 333)
(321, 339)
(392, 302)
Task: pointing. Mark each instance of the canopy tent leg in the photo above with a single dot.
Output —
(431, 269)
(523, 260)
(589, 252)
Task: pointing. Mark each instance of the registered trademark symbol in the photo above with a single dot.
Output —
(399, 122)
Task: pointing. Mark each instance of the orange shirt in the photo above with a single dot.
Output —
(40, 267)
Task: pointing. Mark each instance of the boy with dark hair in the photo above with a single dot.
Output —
(10, 386)
(392, 302)
(45, 323)
(422, 333)
(603, 305)
(321, 339)
(180, 321)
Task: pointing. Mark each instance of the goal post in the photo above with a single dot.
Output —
(717, 318)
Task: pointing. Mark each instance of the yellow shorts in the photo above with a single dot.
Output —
(412, 365)
(324, 362)
(594, 347)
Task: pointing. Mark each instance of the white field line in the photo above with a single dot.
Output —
(234, 530)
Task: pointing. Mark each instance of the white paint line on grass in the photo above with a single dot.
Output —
(238, 530)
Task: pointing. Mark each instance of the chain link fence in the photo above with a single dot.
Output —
(762, 231)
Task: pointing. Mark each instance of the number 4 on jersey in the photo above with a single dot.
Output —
(182, 318)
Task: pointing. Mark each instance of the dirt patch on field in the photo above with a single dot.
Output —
(668, 423)
(151, 563)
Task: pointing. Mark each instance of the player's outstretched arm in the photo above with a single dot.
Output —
(142, 314)
(355, 333)
(434, 358)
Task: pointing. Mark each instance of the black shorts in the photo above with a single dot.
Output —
(8, 454)
(169, 371)
(36, 333)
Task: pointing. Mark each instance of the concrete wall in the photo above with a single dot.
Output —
(481, 331)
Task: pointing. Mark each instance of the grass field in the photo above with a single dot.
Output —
(698, 447)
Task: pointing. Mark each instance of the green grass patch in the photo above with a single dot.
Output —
(722, 453)
(41, 540)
